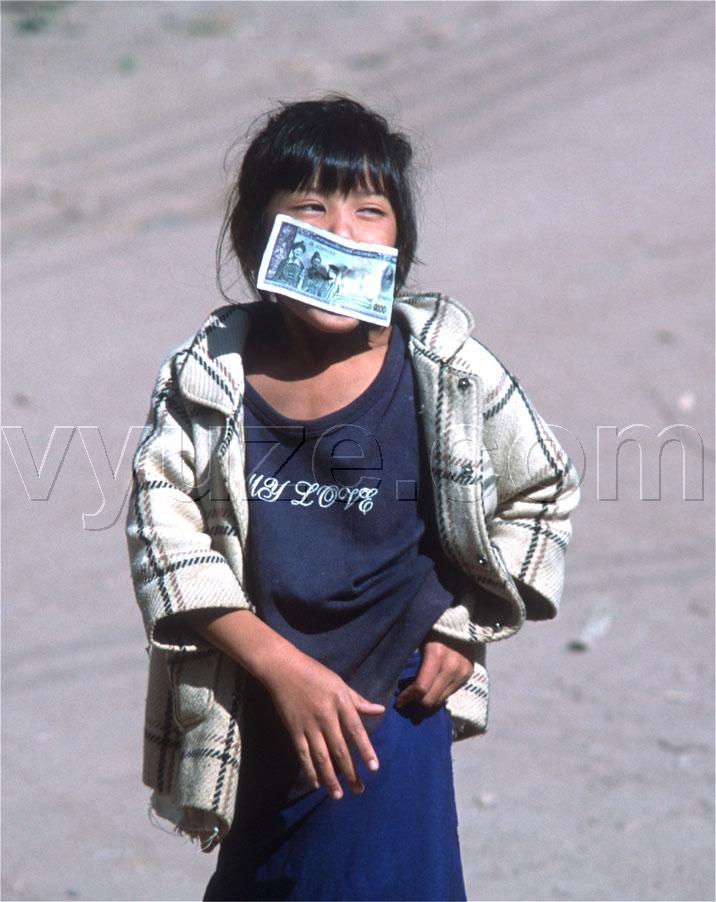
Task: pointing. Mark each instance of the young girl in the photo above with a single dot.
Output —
(329, 520)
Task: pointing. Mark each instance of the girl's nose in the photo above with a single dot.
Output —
(340, 222)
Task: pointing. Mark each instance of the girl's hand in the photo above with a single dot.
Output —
(321, 714)
(443, 669)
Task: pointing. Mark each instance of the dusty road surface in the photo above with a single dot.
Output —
(566, 166)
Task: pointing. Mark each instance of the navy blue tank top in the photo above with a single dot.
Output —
(341, 563)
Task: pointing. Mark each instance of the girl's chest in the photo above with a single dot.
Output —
(301, 395)
(308, 398)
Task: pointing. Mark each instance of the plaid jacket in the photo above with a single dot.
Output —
(503, 492)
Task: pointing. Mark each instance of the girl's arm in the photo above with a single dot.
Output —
(319, 710)
(529, 491)
(175, 567)
(537, 492)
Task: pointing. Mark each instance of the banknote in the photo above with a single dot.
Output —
(319, 268)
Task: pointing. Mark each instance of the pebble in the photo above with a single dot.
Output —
(686, 402)
(485, 800)
(598, 624)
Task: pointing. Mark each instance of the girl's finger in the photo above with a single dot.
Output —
(431, 697)
(447, 677)
(410, 694)
(366, 707)
(357, 735)
(304, 756)
(323, 764)
(447, 681)
(422, 684)
(343, 759)
(442, 689)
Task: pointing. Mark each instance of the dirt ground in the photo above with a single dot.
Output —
(566, 168)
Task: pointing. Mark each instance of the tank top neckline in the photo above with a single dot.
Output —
(388, 373)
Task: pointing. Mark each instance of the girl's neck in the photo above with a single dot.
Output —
(306, 350)
(305, 372)
(316, 345)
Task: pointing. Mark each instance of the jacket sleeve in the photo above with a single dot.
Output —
(174, 567)
(537, 488)
(529, 490)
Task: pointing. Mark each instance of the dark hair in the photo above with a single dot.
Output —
(336, 144)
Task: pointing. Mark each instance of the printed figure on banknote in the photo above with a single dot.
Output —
(317, 278)
(333, 283)
(290, 268)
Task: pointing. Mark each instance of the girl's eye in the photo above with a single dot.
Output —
(310, 206)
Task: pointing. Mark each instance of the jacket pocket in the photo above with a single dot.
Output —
(192, 679)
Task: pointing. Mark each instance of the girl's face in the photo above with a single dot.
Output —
(360, 216)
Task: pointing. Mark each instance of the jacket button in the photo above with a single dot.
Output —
(463, 383)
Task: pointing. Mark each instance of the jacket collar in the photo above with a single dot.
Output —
(211, 373)
(435, 321)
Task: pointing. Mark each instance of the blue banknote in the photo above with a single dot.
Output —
(327, 271)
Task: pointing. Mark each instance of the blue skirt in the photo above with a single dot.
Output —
(398, 840)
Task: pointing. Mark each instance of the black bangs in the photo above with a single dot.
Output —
(339, 156)
(330, 145)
